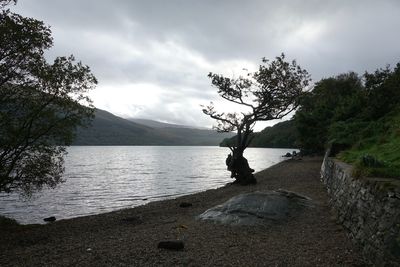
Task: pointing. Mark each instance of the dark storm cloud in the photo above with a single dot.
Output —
(172, 45)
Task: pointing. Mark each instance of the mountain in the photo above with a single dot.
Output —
(186, 134)
(108, 129)
(158, 124)
(281, 135)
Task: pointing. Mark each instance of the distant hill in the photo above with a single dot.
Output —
(281, 135)
(108, 129)
(158, 124)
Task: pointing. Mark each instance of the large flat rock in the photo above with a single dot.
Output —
(258, 208)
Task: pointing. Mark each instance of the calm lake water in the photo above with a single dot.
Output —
(106, 178)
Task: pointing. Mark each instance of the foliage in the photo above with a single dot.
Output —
(370, 161)
(269, 93)
(383, 91)
(383, 145)
(281, 135)
(360, 113)
(4, 3)
(40, 105)
(332, 100)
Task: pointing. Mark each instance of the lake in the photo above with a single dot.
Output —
(106, 178)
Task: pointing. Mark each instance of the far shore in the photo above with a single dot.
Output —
(129, 237)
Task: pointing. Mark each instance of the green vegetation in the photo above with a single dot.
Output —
(360, 113)
(332, 103)
(378, 152)
(281, 135)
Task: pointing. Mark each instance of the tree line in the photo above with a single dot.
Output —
(346, 108)
(359, 116)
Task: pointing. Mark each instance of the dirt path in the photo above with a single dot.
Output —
(130, 237)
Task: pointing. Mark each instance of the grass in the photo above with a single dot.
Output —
(377, 155)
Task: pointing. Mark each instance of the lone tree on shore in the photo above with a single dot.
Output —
(267, 94)
(41, 104)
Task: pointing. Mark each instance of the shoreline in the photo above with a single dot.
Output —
(92, 187)
(114, 191)
(130, 236)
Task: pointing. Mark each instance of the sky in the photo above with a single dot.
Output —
(152, 58)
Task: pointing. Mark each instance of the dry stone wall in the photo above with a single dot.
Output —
(368, 208)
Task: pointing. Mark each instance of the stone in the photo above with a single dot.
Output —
(171, 245)
(185, 205)
(257, 208)
(50, 219)
(370, 214)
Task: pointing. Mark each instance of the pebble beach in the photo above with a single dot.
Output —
(130, 237)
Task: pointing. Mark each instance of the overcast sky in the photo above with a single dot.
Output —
(152, 57)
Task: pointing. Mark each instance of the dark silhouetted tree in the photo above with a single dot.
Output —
(41, 104)
(4, 3)
(332, 99)
(383, 91)
(347, 109)
(267, 94)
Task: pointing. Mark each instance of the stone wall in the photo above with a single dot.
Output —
(368, 208)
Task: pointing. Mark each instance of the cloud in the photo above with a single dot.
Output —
(152, 57)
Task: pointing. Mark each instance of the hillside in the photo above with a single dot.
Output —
(281, 135)
(157, 124)
(108, 129)
(359, 117)
(186, 134)
(377, 153)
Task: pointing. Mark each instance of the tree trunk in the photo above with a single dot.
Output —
(239, 167)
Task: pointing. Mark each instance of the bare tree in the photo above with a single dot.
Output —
(267, 94)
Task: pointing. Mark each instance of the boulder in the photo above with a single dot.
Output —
(258, 208)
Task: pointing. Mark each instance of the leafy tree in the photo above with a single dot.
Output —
(335, 99)
(267, 94)
(4, 3)
(41, 104)
(383, 91)
(345, 109)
